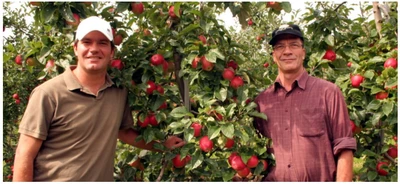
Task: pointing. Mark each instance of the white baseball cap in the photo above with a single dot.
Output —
(94, 23)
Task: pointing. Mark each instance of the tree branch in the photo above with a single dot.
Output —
(378, 17)
(340, 6)
(165, 163)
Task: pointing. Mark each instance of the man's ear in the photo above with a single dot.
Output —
(75, 48)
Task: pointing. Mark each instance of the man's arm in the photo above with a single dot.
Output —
(345, 166)
(27, 149)
(129, 136)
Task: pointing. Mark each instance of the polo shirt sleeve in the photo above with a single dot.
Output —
(342, 135)
(127, 119)
(38, 114)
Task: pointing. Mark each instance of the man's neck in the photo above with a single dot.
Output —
(287, 79)
(92, 81)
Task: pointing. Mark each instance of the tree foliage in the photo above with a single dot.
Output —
(191, 94)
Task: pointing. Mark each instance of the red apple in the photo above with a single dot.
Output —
(266, 65)
(237, 163)
(381, 95)
(160, 89)
(395, 138)
(18, 60)
(34, 3)
(165, 67)
(152, 119)
(118, 39)
(163, 106)
(17, 101)
(229, 143)
(195, 62)
(151, 86)
(349, 64)
(391, 62)
(244, 172)
(392, 151)
(50, 64)
(197, 129)
(228, 74)
(234, 154)
(157, 59)
(236, 82)
(250, 22)
(76, 21)
(206, 144)
(356, 80)
(137, 8)
(353, 126)
(203, 39)
(380, 170)
(146, 32)
(265, 164)
(117, 63)
(178, 162)
(206, 65)
(30, 61)
(171, 12)
(232, 64)
(15, 96)
(252, 162)
(145, 122)
(330, 55)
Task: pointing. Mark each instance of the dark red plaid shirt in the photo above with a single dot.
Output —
(308, 125)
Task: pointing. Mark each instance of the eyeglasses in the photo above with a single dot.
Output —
(292, 46)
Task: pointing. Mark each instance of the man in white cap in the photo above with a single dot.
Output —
(70, 127)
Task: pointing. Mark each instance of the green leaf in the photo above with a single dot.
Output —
(197, 159)
(48, 13)
(230, 110)
(67, 13)
(372, 175)
(148, 135)
(259, 115)
(330, 40)
(387, 107)
(286, 6)
(369, 74)
(228, 130)
(376, 59)
(188, 29)
(222, 94)
(213, 132)
(176, 125)
(180, 112)
(122, 6)
(374, 105)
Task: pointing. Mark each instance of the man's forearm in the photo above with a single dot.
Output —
(23, 169)
(345, 166)
(129, 137)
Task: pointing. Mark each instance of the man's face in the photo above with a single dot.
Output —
(288, 54)
(94, 52)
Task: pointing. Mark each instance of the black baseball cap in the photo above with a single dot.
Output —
(286, 29)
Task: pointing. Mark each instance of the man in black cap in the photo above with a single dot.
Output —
(308, 121)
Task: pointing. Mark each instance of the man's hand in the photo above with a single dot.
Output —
(173, 142)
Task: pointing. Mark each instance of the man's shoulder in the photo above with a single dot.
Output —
(321, 82)
(53, 84)
(266, 92)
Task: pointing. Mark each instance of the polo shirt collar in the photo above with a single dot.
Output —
(73, 83)
(300, 80)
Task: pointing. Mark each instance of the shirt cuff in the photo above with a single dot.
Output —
(344, 143)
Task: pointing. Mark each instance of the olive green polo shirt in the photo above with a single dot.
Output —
(79, 129)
